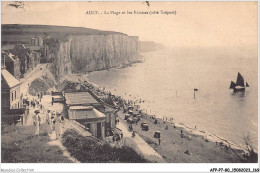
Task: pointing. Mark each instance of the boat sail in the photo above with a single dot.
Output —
(239, 85)
(240, 80)
(232, 85)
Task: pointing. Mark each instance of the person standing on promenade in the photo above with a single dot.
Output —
(36, 122)
(49, 122)
(122, 140)
(58, 122)
(53, 115)
(62, 121)
(159, 141)
(33, 104)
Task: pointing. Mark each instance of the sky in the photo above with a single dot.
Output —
(199, 24)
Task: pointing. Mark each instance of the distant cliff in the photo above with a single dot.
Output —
(78, 50)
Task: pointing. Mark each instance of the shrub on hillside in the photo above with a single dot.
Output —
(41, 84)
(86, 149)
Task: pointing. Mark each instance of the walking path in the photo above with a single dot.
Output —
(58, 143)
(46, 104)
(139, 144)
(31, 76)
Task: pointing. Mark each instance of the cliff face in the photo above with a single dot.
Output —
(62, 60)
(99, 52)
(85, 53)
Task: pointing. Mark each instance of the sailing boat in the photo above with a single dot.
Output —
(239, 85)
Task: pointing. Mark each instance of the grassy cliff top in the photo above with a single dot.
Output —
(12, 33)
(17, 28)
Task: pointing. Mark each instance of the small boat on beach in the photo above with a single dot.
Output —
(240, 85)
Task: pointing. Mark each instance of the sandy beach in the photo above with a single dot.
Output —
(194, 147)
(191, 148)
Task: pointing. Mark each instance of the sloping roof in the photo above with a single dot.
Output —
(92, 113)
(77, 98)
(10, 80)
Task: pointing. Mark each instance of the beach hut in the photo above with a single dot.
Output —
(127, 116)
(157, 134)
(135, 119)
(130, 120)
(135, 115)
(139, 117)
(130, 107)
(130, 112)
(144, 126)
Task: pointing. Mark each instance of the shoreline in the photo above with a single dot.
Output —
(211, 137)
(208, 137)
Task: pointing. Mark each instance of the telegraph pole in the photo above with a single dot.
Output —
(195, 89)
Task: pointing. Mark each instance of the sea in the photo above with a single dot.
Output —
(165, 82)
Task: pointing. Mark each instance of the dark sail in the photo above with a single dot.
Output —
(232, 85)
(247, 84)
(240, 80)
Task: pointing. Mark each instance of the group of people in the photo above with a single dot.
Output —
(49, 120)
(118, 137)
(34, 103)
(53, 120)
